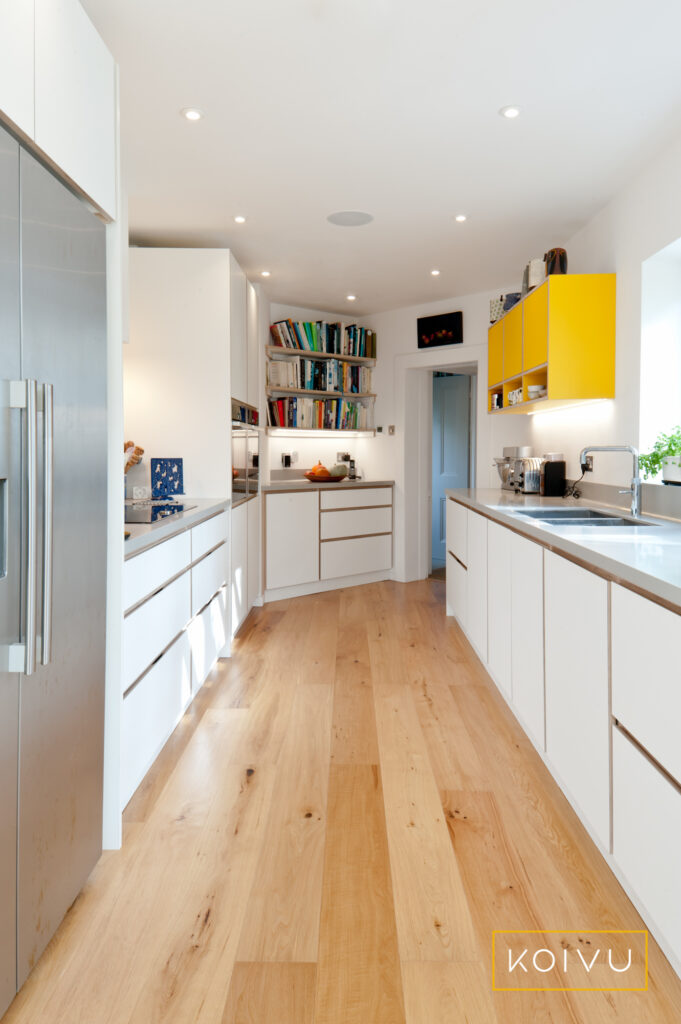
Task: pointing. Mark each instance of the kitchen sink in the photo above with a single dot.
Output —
(579, 517)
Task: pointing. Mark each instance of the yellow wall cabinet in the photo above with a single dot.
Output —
(557, 345)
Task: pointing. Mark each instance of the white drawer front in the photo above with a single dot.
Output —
(360, 497)
(151, 712)
(208, 634)
(349, 557)
(145, 573)
(356, 522)
(208, 576)
(646, 697)
(207, 535)
(152, 626)
(646, 836)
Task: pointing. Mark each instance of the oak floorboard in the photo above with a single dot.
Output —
(447, 993)
(270, 993)
(284, 907)
(431, 909)
(358, 973)
(354, 738)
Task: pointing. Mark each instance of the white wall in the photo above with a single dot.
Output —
(176, 367)
(660, 345)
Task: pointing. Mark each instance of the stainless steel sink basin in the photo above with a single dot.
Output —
(579, 517)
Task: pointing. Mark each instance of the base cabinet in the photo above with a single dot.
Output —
(646, 697)
(577, 700)
(151, 711)
(456, 590)
(239, 565)
(527, 634)
(208, 635)
(476, 597)
(646, 838)
(292, 539)
(499, 605)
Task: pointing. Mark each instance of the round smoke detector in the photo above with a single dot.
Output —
(349, 218)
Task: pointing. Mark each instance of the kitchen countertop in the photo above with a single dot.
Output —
(146, 535)
(644, 558)
(302, 484)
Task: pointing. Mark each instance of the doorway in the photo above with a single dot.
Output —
(451, 453)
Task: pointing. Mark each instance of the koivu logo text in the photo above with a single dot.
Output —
(569, 960)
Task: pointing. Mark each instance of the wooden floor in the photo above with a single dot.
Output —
(333, 832)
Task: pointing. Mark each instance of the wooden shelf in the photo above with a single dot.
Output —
(315, 431)
(278, 350)
(351, 395)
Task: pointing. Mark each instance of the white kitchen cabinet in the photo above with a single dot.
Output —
(292, 538)
(499, 603)
(152, 627)
(352, 557)
(252, 349)
(151, 711)
(208, 634)
(253, 547)
(208, 575)
(239, 546)
(149, 570)
(527, 634)
(75, 99)
(357, 522)
(16, 63)
(355, 497)
(238, 331)
(577, 703)
(476, 596)
(209, 534)
(646, 696)
(647, 837)
(457, 530)
(455, 590)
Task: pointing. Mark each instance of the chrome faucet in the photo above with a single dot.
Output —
(635, 488)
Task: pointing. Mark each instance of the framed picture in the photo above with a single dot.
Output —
(445, 329)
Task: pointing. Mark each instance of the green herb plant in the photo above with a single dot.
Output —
(665, 446)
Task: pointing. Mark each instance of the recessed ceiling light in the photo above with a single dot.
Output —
(349, 218)
(509, 112)
(435, 273)
(351, 298)
(264, 273)
(191, 113)
(461, 217)
(239, 220)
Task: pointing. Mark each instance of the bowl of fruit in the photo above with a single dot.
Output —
(321, 475)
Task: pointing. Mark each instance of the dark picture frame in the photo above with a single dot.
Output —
(444, 329)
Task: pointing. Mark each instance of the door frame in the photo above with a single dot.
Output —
(471, 445)
(414, 414)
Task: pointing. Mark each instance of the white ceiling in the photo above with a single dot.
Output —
(386, 106)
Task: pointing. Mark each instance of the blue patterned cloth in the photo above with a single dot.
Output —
(166, 478)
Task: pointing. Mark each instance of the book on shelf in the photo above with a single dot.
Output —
(318, 413)
(320, 336)
(318, 375)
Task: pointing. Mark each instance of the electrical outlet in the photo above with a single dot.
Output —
(589, 460)
(140, 492)
(294, 457)
(391, 429)
(286, 459)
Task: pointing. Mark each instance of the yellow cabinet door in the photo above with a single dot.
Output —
(536, 327)
(513, 342)
(495, 353)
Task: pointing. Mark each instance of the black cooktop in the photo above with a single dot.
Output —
(153, 510)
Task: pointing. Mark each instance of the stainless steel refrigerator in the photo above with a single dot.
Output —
(52, 553)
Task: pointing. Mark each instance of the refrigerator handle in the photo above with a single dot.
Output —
(48, 520)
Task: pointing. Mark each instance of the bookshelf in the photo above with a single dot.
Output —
(319, 378)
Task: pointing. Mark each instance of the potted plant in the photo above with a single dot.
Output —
(666, 456)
